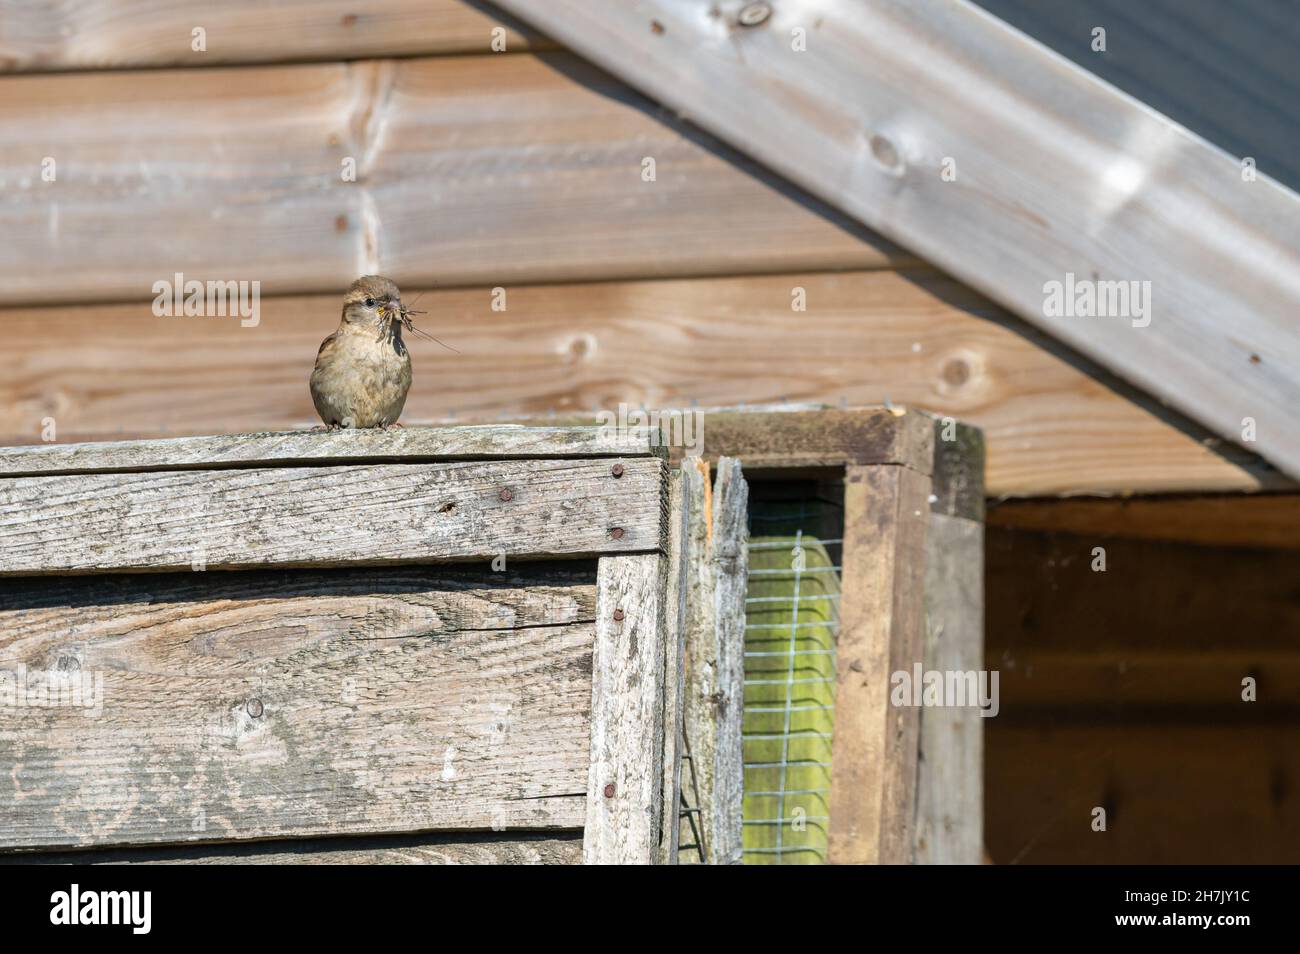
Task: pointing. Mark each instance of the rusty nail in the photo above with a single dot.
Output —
(254, 708)
(752, 14)
(506, 494)
(617, 533)
(618, 616)
(617, 470)
(609, 790)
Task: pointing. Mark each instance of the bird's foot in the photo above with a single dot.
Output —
(327, 427)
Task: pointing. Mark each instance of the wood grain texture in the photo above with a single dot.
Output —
(729, 560)
(1052, 422)
(515, 848)
(1165, 625)
(408, 445)
(882, 623)
(624, 802)
(785, 438)
(715, 649)
(1175, 794)
(950, 770)
(468, 170)
(675, 589)
(1266, 520)
(304, 516)
(1057, 176)
(103, 34)
(290, 704)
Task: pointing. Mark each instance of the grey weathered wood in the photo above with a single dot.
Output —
(1068, 176)
(715, 647)
(950, 773)
(515, 848)
(882, 618)
(304, 516)
(625, 777)
(294, 704)
(730, 560)
(950, 767)
(408, 445)
(674, 663)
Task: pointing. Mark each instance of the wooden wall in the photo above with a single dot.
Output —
(1122, 689)
(476, 170)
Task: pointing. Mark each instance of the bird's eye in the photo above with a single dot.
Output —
(370, 303)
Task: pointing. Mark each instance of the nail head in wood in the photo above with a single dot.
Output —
(616, 533)
(618, 616)
(752, 14)
(609, 790)
(617, 470)
(506, 494)
(254, 708)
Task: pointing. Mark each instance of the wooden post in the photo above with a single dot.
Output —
(874, 752)
(950, 776)
(715, 648)
(625, 784)
(679, 514)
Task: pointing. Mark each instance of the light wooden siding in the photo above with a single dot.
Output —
(319, 516)
(488, 169)
(101, 34)
(272, 705)
(1053, 422)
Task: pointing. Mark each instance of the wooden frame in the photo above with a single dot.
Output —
(906, 783)
(354, 549)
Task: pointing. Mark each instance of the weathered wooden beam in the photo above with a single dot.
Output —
(287, 704)
(624, 801)
(715, 655)
(295, 448)
(489, 170)
(1229, 520)
(882, 623)
(515, 848)
(950, 769)
(901, 115)
(781, 439)
(103, 34)
(305, 516)
(730, 566)
(1053, 422)
(676, 585)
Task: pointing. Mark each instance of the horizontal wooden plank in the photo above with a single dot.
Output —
(1009, 167)
(1262, 520)
(407, 445)
(1045, 597)
(1192, 794)
(105, 34)
(295, 703)
(516, 848)
(468, 170)
(312, 516)
(1052, 421)
(766, 437)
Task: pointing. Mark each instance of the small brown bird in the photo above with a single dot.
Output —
(363, 370)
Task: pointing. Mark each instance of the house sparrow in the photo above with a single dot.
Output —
(363, 370)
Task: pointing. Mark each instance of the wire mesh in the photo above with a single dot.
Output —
(792, 625)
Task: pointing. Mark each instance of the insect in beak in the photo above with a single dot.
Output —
(404, 315)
